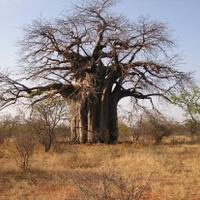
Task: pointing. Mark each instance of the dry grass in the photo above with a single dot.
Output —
(176, 170)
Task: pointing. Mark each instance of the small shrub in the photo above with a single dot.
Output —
(153, 126)
(125, 132)
(109, 185)
(192, 127)
(25, 144)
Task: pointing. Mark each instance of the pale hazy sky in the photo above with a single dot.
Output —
(182, 16)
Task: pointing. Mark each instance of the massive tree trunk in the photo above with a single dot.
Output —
(95, 119)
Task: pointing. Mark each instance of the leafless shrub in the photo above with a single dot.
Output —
(125, 131)
(153, 126)
(110, 186)
(25, 144)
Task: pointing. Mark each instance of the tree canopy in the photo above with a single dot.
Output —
(189, 100)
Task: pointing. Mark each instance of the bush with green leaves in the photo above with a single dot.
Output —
(189, 101)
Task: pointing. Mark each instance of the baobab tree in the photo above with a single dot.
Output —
(93, 58)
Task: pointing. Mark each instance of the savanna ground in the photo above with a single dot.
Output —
(170, 171)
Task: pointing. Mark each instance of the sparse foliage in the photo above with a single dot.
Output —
(45, 118)
(125, 131)
(153, 126)
(25, 144)
(9, 125)
(191, 127)
(110, 185)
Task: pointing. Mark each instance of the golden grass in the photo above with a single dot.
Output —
(175, 168)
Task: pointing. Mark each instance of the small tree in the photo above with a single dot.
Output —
(25, 144)
(189, 101)
(45, 117)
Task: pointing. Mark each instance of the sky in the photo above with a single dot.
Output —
(182, 17)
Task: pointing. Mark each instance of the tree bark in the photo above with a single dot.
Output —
(49, 142)
(93, 122)
(74, 129)
(113, 123)
(83, 124)
(115, 97)
(97, 117)
(104, 117)
(75, 112)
